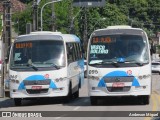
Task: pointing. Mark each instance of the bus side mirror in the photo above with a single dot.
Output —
(6, 59)
(153, 49)
(7, 55)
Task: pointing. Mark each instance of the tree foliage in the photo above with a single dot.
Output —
(138, 13)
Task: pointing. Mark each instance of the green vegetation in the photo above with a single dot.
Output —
(0, 25)
(138, 13)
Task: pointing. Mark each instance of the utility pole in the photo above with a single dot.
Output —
(85, 31)
(35, 16)
(53, 18)
(6, 43)
(71, 18)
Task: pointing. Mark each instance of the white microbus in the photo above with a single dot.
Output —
(118, 63)
(45, 64)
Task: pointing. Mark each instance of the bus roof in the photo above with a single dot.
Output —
(118, 27)
(48, 35)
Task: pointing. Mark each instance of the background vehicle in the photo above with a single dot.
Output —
(156, 67)
(113, 68)
(45, 64)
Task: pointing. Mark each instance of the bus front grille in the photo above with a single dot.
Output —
(118, 79)
(119, 89)
(37, 82)
(30, 91)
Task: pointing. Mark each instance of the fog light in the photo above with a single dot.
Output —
(61, 88)
(144, 87)
(93, 88)
(14, 90)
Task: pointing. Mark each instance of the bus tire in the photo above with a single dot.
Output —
(146, 100)
(69, 96)
(17, 101)
(85, 74)
(93, 100)
(76, 94)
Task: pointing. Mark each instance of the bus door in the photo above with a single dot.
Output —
(73, 68)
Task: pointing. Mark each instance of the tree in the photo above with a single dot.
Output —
(138, 13)
(20, 20)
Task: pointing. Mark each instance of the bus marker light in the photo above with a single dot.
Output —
(144, 87)
(14, 90)
(93, 88)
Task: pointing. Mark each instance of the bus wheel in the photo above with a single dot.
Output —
(146, 99)
(69, 96)
(17, 101)
(93, 100)
(76, 94)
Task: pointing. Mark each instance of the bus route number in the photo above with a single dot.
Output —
(93, 72)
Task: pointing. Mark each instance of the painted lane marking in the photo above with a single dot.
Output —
(154, 105)
(56, 118)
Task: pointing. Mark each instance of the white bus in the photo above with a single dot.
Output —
(45, 64)
(118, 63)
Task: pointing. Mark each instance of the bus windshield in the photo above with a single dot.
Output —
(38, 54)
(126, 49)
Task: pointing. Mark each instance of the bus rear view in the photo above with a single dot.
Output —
(119, 63)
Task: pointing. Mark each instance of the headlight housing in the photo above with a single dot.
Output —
(144, 76)
(60, 79)
(93, 78)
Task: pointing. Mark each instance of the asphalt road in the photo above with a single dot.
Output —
(114, 107)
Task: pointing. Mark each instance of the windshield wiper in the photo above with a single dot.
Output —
(97, 63)
(108, 62)
(54, 65)
(30, 64)
(135, 62)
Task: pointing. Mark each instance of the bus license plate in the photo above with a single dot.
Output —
(36, 87)
(118, 84)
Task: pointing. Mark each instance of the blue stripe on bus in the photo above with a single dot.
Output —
(33, 78)
(135, 82)
(102, 83)
(81, 65)
(116, 74)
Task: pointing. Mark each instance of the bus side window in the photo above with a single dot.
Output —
(76, 51)
(70, 56)
(80, 51)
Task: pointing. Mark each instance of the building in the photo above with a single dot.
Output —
(17, 6)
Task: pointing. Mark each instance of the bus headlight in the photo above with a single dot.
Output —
(144, 76)
(93, 78)
(60, 79)
(14, 81)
